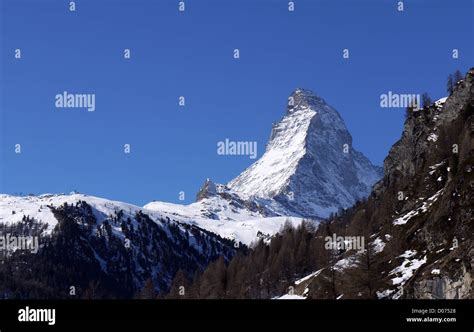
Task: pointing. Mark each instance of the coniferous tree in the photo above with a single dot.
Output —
(213, 280)
(449, 85)
(91, 291)
(180, 288)
(425, 100)
(457, 76)
(148, 291)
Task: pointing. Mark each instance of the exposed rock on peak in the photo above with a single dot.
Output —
(208, 190)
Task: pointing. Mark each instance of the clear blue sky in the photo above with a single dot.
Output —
(190, 54)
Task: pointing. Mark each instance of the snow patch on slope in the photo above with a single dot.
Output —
(378, 245)
(406, 270)
(308, 277)
(422, 209)
(440, 102)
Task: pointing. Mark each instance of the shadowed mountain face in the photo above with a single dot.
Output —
(309, 165)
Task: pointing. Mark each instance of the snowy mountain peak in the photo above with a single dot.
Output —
(309, 165)
(303, 99)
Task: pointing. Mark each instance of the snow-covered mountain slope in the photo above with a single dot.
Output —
(215, 201)
(219, 202)
(222, 211)
(116, 244)
(309, 165)
(14, 208)
(229, 221)
(241, 225)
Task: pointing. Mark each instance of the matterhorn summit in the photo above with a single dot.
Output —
(309, 165)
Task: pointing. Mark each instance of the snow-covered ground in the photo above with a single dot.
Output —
(247, 231)
(221, 209)
(241, 227)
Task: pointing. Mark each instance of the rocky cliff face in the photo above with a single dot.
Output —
(443, 287)
(431, 168)
(419, 221)
(309, 165)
